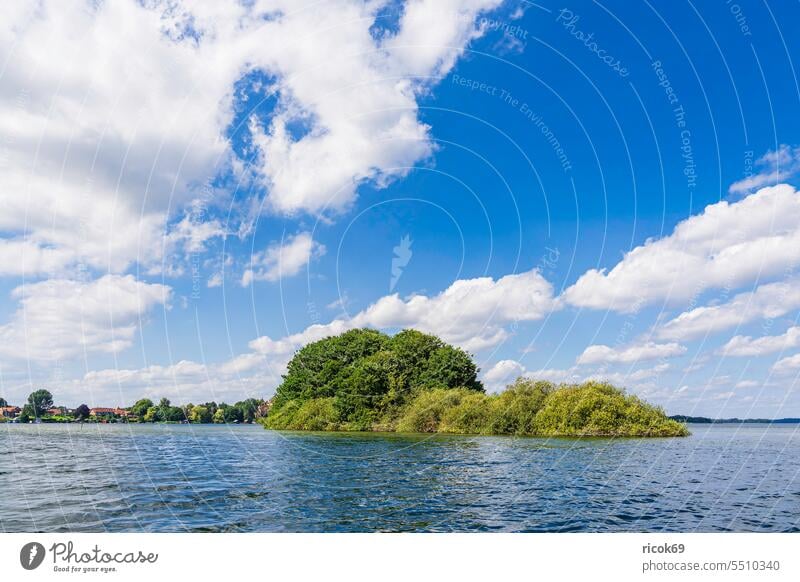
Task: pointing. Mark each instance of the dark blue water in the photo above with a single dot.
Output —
(243, 478)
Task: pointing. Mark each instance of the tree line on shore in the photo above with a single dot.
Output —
(40, 407)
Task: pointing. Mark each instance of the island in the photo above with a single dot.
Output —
(412, 382)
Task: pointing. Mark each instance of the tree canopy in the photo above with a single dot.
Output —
(82, 412)
(369, 374)
(40, 401)
(141, 406)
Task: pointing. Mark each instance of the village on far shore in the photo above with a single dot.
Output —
(39, 408)
(12, 413)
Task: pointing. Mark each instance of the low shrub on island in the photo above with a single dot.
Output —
(414, 382)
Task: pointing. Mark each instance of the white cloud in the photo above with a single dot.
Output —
(107, 122)
(182, 382)
(775, 166)
(506, 371)
(747, 346)
(115, 115)
(471, 313)
(57, 319)
(283, 259)
(766, 302)
(747, 384)
(728, 245)
(502, 374)
(355, 93)
(433, 34)
(20, 256)
(788, 365)
(600, 354)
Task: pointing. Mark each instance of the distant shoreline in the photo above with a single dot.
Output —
(706, 420)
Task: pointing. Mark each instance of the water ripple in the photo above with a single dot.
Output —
(217, 478)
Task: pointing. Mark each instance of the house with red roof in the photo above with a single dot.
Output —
(10, 411)
(101, 412)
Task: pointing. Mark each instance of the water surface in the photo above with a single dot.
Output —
(243, 478)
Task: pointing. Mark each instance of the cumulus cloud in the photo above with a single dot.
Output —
(354, 94)
(728, 245)
(789, 365)
(747, 384)
(115, 115)
(741, 345)
(766, 302)
(471, 313)
(60, 318)
(505, 371)
(94, 158)
(184, 381)
(600, 354)
(283, 259)
(501, 374)
(774, 166)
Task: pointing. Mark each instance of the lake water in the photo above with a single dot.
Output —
(243, 478)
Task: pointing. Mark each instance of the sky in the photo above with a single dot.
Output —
(191, 191)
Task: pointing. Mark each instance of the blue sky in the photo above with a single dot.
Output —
(593, 190)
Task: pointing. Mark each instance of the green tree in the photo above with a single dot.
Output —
(26, 414)
(165, 412)
(451, 367)
(200, 414)
(219, 416)
(40, 401)
(172, 414)
(249, 409)
(140, 407)
(371, 376)
(151, 415)
(319, 368)
(82, 412)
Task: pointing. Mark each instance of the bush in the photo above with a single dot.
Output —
(316, 414)
(513, 411)
(526, 408)
(600, 409)
(424, 413)
(281, 418)
(471, 415)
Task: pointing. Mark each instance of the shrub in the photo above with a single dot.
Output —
(281, 418)
(471, 415)
(600, 409)
(424, 413)
(316, 414)
(514, 410)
